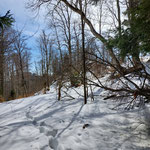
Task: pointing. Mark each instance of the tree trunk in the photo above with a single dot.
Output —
(84, 60)
(2, 65)
(1, 73)
(119, 17)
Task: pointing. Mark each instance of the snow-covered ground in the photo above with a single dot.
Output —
(42, 123)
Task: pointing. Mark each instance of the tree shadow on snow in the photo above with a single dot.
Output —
(72, 120)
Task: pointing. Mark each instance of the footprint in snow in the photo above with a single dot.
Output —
(52, 133)
(43, 124)
(28, 115)
(47, 131)
(53, 143)
(34, 122)
(42, 129)
(61, 121)
(46, 147)
(79, 134)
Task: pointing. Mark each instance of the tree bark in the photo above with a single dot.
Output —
(2, 64)
(84, 59)
(119, 17)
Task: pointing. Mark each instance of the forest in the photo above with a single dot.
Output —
(90, 49)
(114, 38)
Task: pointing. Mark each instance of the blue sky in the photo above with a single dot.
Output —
(24, 20)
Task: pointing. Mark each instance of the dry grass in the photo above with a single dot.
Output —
(23, 96)
(1, 99)
(19, 97)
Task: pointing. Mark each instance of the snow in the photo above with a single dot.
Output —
(41, 122)
(145, 59)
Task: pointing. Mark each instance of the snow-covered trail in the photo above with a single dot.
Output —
(43, 123)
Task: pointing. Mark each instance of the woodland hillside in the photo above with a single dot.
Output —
(85, 78)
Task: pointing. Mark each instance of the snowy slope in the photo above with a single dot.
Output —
(43, 123)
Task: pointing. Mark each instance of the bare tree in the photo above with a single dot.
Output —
(21, 49)
(45, 46)
(84, 60)
(7, 37)
(121, 72)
